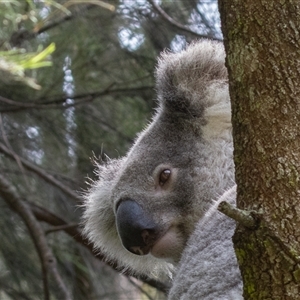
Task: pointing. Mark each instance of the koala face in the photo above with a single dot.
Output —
(154, 195)
(145, 206)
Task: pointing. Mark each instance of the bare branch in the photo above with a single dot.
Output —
(178, 25)
(41, 173)
(42, 214)
(245, 218)
(46, 216)
(60, 103)
(15, 156)
(20, 36)
(60, 228)
(47, 258)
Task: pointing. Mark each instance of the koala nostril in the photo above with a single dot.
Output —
(149, 236)
(136, 229)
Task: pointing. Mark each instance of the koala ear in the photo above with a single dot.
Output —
(185, 81)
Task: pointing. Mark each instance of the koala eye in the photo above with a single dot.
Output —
(164, 176)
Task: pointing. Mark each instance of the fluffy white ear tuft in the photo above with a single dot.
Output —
(186, 80)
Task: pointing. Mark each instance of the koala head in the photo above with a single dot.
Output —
(145, 206)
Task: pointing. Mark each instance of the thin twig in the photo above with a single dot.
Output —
(60, 103)
(42, 214)
(245, 218)
(45, 215)
(175, 23)
(60, 228)
(48, 261)
(15, 156)
(42, 173)
(20, 36)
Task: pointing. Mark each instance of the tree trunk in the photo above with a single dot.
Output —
(263, 60)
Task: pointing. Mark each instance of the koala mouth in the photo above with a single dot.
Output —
(166, 246)
(169, 246)
(149, 238)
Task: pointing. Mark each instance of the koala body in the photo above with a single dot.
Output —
(154, 211)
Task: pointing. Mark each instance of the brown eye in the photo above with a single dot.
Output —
(164, 176)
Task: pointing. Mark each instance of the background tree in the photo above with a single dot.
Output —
(97, 94)
(263, 52)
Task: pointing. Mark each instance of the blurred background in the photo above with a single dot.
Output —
(76, 84)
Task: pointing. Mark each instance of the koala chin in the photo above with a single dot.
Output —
(154, 211)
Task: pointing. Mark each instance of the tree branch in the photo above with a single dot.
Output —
(245, 218)
(46, 216)
(42, 214)
(178, 25)
(41, 173)
(47, 258)
(15, 156)
(18, 37)
(60, 103)
(60, 228)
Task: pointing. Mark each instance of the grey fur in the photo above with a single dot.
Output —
(190, 135)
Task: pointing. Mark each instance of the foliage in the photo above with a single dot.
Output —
(96, 92)
(13, 64)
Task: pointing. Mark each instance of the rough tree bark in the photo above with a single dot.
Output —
(262, 41)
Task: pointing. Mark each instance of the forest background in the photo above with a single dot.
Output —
(76, 85)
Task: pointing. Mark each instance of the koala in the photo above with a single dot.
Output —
(154, 211)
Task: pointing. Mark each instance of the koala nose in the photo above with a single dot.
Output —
(136, 229)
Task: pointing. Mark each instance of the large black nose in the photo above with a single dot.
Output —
(136, 228)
